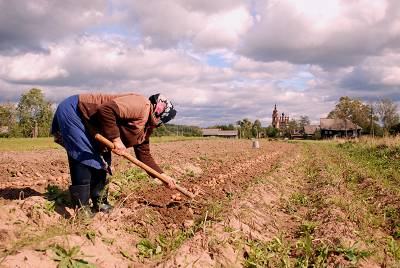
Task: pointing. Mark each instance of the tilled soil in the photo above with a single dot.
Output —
(249, 210)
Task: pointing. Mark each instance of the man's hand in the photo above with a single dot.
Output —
(171, 182)
(119, 147)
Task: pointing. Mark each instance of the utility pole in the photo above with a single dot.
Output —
(371, 121)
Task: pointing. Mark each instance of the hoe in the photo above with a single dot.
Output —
(142, 165)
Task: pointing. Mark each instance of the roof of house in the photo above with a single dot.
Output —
(228, 133)
(338, 124)
(218, 132)
(310, 129)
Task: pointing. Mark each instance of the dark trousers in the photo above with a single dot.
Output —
(84, 175)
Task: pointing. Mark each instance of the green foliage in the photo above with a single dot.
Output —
(394, 248)
(256, 128)
(303, 121)
(54, 193)
(299, 199)
(49, 206)
(356, 111)
(395, 129)
(177, 130)
(271, 254)
(91, 235)
(70, 258)
(147, 249)
(272, 132)
(7, 120)
(33, 111)
(224, 127)
(245, 130)
(388, 115)
(352, 253)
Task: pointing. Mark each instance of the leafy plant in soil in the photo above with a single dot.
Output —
(394, 248)
(70, 258)
(54, 193)
(147, 249)
(271, 254)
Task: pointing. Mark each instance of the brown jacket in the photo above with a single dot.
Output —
(127, 116)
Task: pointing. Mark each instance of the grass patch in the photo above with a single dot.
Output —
(30, 144)
(27, 144)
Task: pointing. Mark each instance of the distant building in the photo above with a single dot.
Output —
(279, 121)
(340, 128)
(310, 131)
(216, 132)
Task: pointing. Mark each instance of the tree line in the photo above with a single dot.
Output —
(376, 118)
(32, 116)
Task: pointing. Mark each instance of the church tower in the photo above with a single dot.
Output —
(275, 118)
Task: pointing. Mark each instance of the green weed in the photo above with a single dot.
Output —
(299, 199)
(147, 249)
(352, 253)
(49, 206)
(307, 227)
(70, 258)
(91, 235)
(59, 196)
(189, 173)
(394, 248)
(275, 253)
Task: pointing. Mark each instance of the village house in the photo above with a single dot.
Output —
(216, 132)
(339, 128)
(310, 131)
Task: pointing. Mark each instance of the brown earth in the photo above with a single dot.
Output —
(241, 198)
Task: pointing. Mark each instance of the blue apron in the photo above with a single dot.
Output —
(75, 138)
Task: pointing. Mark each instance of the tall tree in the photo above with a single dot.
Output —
(7, 119)
(256, 128)
(303, 121)
(291, 128)
(34, 114)
(387, 111)
(354, 110)
(245, 128)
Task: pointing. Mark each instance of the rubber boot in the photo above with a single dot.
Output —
(80, 200)
(99, 194)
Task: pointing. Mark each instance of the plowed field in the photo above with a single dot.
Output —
(285, 204)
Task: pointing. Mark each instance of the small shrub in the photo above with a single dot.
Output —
(70, 258)
(147, 249)
(54, 193)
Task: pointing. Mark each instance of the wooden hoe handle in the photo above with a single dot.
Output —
(142, 165)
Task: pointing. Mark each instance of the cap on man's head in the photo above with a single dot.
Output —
(164, 109)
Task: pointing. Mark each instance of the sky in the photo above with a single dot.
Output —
(219, 61)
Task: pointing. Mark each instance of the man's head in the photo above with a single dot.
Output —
(163, 108)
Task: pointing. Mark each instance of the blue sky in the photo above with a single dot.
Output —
(220, 61)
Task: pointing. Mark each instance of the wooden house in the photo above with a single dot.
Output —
(339, 128)
(310, 131)
(216, 132)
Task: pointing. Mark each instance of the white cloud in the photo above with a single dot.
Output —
(29, 25)
(220, 61)
(224, 29)
(205, 24)
(329, 33)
